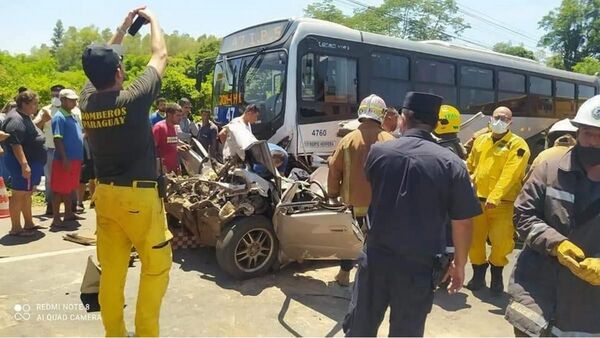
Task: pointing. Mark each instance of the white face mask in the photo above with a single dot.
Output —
(55, 102)
(498, 126)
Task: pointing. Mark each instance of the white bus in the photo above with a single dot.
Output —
(307, 76)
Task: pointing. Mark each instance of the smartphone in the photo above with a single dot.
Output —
(137, 24)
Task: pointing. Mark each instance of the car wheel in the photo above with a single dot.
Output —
(248, 247)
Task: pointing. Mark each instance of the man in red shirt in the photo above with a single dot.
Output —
(165, 138)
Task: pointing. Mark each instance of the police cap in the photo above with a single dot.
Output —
(426, 106)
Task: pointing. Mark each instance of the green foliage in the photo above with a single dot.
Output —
(573, 31)
(327, 11)
(68, 56)
(508, 48)
(57, 37)
(408, 19)
(61, 63)
(555, 61)
(588, 65)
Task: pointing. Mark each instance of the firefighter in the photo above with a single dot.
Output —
(447, 131)
(129, 208)
(346, 178)
(561, 137)
(555, 284)
(497, 165)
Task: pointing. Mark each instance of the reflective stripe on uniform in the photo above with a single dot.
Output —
(529, 314)
(535, 230)
(560, 194)
(345, 193)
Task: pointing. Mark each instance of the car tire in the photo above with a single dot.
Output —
(248, 247)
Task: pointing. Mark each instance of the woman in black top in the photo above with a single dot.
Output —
(25, 159)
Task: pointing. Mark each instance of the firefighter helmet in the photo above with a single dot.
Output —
(372, 107)
(449, 121)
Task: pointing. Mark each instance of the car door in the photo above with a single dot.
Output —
(309, 230)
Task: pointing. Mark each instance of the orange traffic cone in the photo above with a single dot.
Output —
(3, 200)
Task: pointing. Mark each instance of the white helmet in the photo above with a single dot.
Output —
(589, 113)
(372, 107)
(564, 125)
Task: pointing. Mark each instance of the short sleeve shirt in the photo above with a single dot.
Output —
(156, 117)
(66, 127)
(23, 132)
(48, 126)
(118, 129)
(207, 135)
(227, 147)
(165, 138)
(417, 186)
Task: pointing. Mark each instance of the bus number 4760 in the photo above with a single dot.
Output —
(319, 132)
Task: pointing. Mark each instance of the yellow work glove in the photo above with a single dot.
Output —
(591, 271)
(570, 255)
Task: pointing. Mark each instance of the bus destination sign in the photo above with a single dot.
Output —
(255, 36)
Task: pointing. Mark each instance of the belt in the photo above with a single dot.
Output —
(134, 184)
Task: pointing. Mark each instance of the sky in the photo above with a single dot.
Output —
(24, 29)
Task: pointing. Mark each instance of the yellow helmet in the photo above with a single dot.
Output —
(449, 121)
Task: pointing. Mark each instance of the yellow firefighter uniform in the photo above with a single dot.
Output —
(497, 169)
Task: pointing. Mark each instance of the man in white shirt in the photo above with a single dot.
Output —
(247, 119)
(43, 120)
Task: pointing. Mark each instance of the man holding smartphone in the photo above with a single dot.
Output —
(128, 207)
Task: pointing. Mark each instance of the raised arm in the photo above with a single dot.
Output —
(157, 42)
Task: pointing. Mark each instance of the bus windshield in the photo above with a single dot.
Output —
(263, 85)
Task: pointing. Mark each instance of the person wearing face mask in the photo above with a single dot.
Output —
(497, 166)
(555, 284)
(43, 120)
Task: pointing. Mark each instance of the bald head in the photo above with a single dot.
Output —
(502, 112)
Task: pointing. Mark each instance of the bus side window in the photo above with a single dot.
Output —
(511, 92)
(565, 99)
(540, 96)
(583, 93)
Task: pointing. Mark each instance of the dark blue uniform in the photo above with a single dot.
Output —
(417, 187)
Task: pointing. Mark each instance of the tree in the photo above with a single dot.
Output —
(43, 68)
(57, 37)
(407, 19)
(588, 65)
(508, 48)
(573, 31)
(327, 11)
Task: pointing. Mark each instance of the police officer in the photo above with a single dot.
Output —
(416, 186)
(128, 206)
(555, 285)
(497, 164)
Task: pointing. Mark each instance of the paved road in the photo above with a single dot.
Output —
(40, 279)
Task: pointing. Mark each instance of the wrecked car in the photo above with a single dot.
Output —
(258, 223)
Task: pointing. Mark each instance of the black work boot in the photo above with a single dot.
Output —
(497, 285)
(478, 280)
